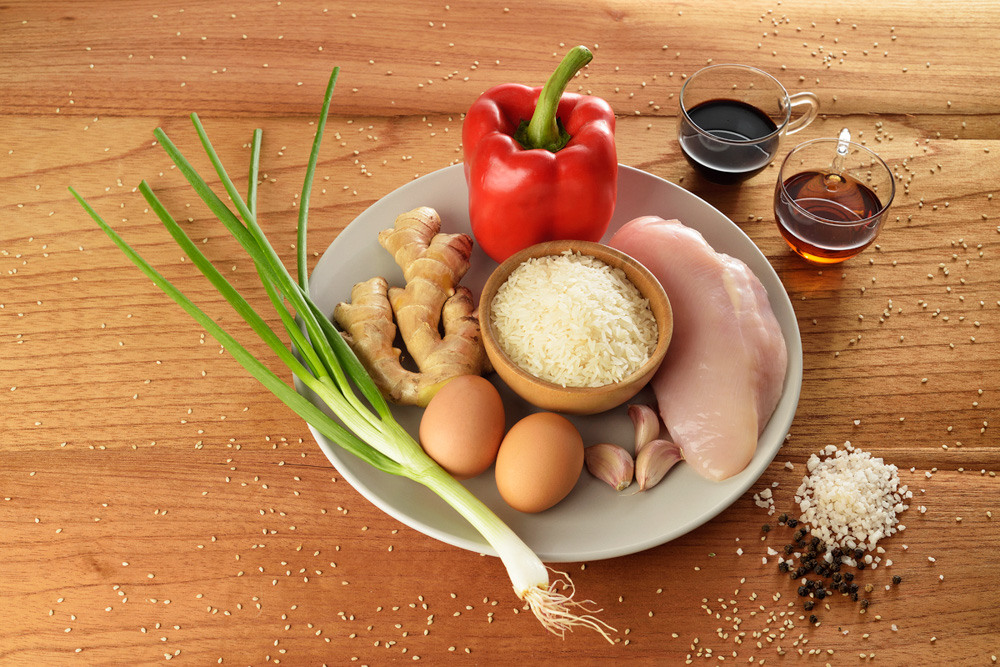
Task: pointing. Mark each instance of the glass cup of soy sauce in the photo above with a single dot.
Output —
(733, 118)
(831, 198)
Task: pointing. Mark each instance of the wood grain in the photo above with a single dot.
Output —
(156, 503)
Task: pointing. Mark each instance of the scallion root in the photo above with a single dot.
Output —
(557, 611)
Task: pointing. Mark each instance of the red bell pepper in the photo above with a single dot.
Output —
(540, 164)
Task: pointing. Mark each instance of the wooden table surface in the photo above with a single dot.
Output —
(157, 504)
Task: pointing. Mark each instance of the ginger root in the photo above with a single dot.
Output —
(432, 264)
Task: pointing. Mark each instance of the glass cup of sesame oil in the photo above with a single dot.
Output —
(831, 198)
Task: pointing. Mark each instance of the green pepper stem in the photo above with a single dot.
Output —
(543, 131)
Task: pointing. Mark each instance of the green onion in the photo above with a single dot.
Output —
(363, 425)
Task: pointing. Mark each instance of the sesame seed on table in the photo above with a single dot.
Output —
(158, 504)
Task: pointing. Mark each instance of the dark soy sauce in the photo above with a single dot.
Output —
(838, 198)
(734, 121)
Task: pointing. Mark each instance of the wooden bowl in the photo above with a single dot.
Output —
(576, 400)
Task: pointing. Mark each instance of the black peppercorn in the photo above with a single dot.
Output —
(789, 548)
(821, 593)
(854, 597)
(861, 565)
(792, 523)
(766, 528)
(896, 578)
(859, 554)
(783, 566)
(783, 519)
(837, 578)
(837, 553)
(803, 591)
(809, 604)
(864, 603)
(813, 619)
(848, 577)
(799, 534)
(853, 588)
(814, 541)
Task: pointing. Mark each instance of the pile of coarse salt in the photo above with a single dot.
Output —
(851, 499)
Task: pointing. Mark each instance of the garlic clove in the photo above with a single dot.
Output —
(646, 423)
(653, 462)
(610, 463)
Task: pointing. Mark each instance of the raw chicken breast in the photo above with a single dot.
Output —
(725, 367)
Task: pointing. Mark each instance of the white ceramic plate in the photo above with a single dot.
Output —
(593, 522)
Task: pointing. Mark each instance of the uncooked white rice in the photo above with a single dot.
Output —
(572, 320)
(851, 499)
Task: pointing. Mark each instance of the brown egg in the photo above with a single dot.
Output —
(539, 462)
(463, 425)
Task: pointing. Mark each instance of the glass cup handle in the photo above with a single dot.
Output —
(803, 99)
